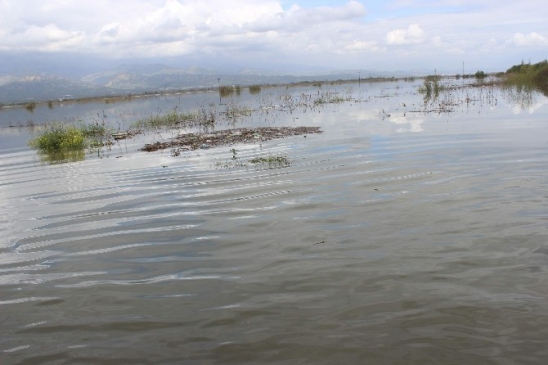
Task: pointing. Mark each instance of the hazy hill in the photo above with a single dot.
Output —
(42, 88)
(140, 78)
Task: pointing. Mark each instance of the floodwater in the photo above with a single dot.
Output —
(401, 235)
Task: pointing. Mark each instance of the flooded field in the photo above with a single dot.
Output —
(412, 230)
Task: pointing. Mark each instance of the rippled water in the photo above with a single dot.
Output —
(395, 237)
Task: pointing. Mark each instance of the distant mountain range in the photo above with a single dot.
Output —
(44, 88)
(141, 78)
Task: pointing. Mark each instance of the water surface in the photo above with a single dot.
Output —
(397, 236)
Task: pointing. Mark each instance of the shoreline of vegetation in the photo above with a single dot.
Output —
(59, 138)
(224, 91)
(524, 75)
(529, 76)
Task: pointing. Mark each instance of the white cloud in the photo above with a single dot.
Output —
(358, 45)
(412, 35)
(532, 39)
(346, 34)
(46, 38)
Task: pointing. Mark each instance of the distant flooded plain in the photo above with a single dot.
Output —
(414, 229)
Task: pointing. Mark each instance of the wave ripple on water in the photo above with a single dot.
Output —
(373, 245)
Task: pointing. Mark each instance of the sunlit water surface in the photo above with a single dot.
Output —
(397, 236)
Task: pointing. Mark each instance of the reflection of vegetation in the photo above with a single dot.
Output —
(431, 88)
(62, 157)
(520, 95)
(226, 91)
(30, 107)
(254, 89)
(528, 76)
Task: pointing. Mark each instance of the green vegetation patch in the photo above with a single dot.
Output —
(59, 137)
(528, 76)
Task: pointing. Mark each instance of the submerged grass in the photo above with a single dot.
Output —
(168, 120)
(203, 117)
(271, 161)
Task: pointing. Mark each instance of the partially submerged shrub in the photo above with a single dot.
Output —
(59, 137)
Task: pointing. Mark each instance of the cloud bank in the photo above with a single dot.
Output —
(342, 34)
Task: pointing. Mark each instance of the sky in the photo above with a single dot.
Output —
(398, 35)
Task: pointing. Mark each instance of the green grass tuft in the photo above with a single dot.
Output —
(59, 137)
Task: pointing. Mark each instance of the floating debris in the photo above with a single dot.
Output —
(120, 135)
(123, 135)
(194, 141)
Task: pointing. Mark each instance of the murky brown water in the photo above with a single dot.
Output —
(395, 237)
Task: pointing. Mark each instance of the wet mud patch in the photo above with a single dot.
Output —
(194, 141)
